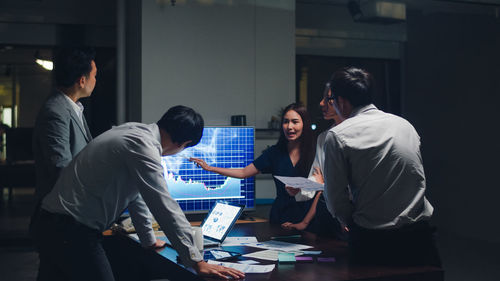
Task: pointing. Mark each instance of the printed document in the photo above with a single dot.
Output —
(300, 182)
(280, 246)
(246, 268)
(239, 241)
(268, 255)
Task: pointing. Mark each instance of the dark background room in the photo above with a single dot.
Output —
(438, 67)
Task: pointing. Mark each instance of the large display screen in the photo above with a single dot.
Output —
(197, 190)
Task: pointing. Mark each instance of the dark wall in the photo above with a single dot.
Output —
(100, 108)
(452, 98)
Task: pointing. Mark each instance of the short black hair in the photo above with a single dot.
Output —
(182, 123)
(72, 63)
(353, 84)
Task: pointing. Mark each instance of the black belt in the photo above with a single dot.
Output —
(62, 219)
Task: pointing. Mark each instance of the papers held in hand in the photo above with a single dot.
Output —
(300, 182)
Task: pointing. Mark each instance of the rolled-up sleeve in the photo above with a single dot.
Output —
(336, 179)
(145, 168)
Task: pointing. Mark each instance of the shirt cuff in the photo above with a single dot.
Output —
(147, 239)
(304, 195)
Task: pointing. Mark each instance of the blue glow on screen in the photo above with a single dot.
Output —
(195, 189)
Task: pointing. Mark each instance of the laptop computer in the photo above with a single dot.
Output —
(219, 222)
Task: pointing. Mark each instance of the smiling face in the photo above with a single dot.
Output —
(292, 125)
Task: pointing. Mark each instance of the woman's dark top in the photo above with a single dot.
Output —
(277, 162)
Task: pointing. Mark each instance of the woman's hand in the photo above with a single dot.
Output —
(292, 191)
(299, 226)
(318, 175)
(201, 163)
(205, 269)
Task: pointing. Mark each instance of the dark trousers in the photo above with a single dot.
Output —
(69, 250)
(412, 244)
(324, 224)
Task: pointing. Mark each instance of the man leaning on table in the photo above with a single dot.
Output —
(378, 156)
(119, 169)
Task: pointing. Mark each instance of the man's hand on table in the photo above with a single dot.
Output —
(158, 244)
(205, 269)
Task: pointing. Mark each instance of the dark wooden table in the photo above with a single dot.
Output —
(339, 270)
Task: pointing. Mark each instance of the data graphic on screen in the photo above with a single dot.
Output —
(195, 189)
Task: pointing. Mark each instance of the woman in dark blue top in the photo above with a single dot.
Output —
(292, 156)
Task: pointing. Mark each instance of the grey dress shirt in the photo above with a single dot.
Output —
(122, 169)
(378, 155)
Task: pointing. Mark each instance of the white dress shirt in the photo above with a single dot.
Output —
(122, 169)
(319, 160)
(378, 155)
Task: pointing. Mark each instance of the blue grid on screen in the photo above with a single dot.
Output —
(195, 189)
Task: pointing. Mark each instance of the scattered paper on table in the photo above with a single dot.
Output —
(239, 241)
(220, 254)
(269, 255)
(300, 182)
(311, 252)
(280, 246)
(246, 268)
(248, 262)
(134, 236)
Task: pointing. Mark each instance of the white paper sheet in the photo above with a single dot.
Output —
(248, 262)
(239, 241)
(246, 268)
(300, 182)
(220, 254)
(268, 255)
(280, 246)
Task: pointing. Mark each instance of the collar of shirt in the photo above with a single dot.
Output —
(157, 134)
(362, 109)
(77, 106)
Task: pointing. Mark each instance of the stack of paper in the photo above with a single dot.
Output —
(279, 246)
(269, 255)
(300, 182)
(246, 268)
(239, 241)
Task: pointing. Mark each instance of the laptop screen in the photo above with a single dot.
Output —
(220, 220)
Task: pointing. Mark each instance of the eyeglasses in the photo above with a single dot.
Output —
(328, 88)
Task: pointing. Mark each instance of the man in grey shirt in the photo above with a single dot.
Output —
(378, 156)
(119, 169)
